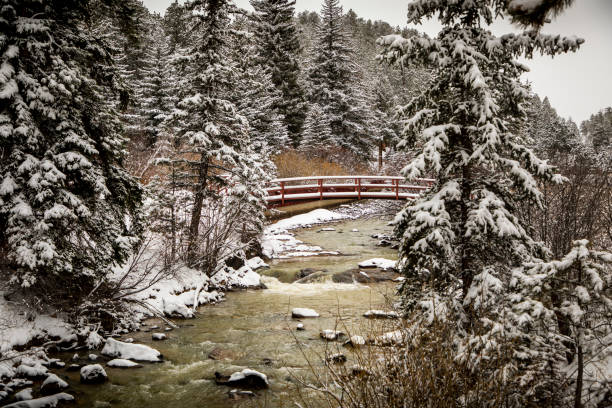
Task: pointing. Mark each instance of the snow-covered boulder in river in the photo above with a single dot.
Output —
(122, 363)
(52, 385)
(378, 263)
(331, 335)
(93, 374)
(302, 312)
(44, 402)
(246, 378)
(380, 314)
(158, 336)
(130, 351)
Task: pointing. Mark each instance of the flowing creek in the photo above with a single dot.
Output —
(254, 330)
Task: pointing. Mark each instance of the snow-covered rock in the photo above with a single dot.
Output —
(158, 336)
(380, 314)
(392, 338)
(355, 341)
(93, 374)
(51, 401)
(300, 326)
(378, 263)
(31, 370)
(337, 358)
(302, 312)
(52, 385)
(130, 351)
(256, 263)
(246, 378)
(122, 363)
(354, 230)
(327, 229)
(92, 357)
(331, 335)
(24, 395)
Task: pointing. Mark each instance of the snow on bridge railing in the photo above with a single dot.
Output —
(288, 190)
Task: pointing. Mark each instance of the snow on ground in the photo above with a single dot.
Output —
(44, 402)
(278, 242)
(378, 263)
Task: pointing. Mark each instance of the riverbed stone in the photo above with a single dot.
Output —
(318, 276)
(93, 374)
(302, 312)
(237, 394)
(52, 385)
(338, 358)
(246, 378)
(221, 354)
(371, 275)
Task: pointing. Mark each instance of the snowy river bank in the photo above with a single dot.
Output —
(252, 329)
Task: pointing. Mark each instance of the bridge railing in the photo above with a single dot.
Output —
(281, 191)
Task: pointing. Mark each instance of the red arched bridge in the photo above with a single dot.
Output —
(288, 191)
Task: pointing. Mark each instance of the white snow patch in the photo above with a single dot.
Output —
(247, 372)
(122, 363)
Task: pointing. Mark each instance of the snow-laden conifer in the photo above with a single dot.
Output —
(334, 83)
(68, 211)
(461, 240)
(278, 47)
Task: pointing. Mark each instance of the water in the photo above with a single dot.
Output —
(254, 330)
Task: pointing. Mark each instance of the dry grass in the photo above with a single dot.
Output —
(292, 163)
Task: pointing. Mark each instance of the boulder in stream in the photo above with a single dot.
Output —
(93, 374)
(302, 312)
(130, 351)
(380, 314)
(158, 336)
(246, 378)
(221, 354)
(355, 341)
(331, 335)
(122, 363)
(360, 276)
(318, 276)
(52, 385)
(44, 402)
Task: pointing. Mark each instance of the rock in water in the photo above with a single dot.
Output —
(299, 312)
(236, 394)
(93, 374)
(355, 341)
(246, 378)
(221, 354)
(52, 385)
(138, 352)
(158, 336)
(331, 335)
(122, 363)
(338, 358)
(24, 395)
(44, 402)
(380, 314)
(300, 327)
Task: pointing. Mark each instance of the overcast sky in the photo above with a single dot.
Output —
(577, 84)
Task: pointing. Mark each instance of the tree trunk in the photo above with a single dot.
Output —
(578, 397)
(196, 213)
(380, 155)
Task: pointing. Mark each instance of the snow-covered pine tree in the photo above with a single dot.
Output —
(278, 47)
(334, 83)
(68, 211)
(385, 126)
(577, 289)
(217, 146)
(460, 240)
(255, 95)
(316, 135)
(176, 23)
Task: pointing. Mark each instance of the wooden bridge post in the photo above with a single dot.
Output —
(397, 189)
(282, 184)
(320, 189)
(359, 188)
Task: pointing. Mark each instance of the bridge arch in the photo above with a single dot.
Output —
(287, 191)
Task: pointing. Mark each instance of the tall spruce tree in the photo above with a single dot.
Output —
(278, 47)
(461, 240)
(68, 211)
(334, 83)
(217, 145)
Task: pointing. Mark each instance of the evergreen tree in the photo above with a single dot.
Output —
(255, 95)
(317, 132)
(333, 80)
(278, 47)
(214, 133)
(461, 239)
(176, 26)
(68, 211)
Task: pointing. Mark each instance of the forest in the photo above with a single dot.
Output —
(137, 155)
